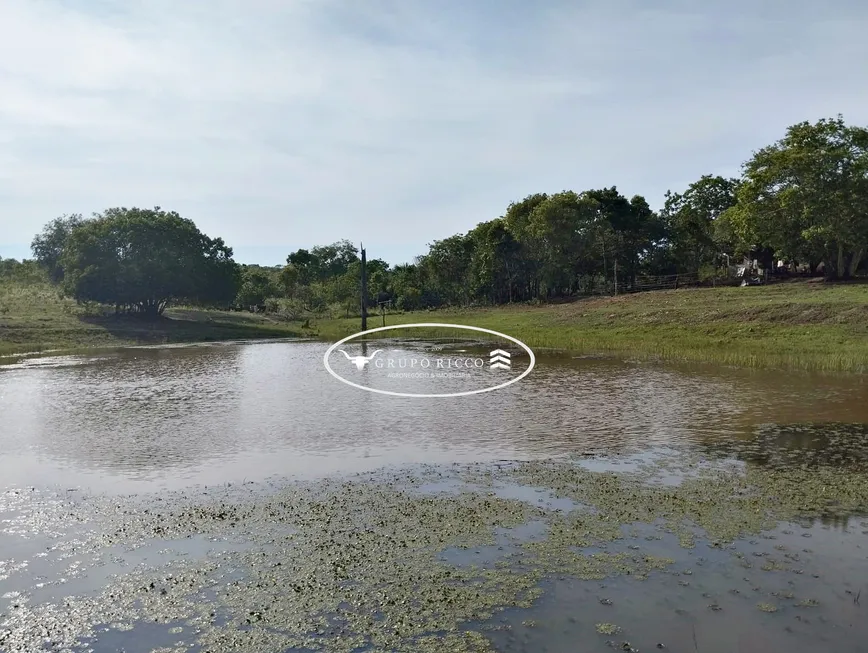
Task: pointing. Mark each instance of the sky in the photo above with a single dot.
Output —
(281, 124)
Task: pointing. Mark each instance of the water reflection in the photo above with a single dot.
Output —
(706, 602)
(209, 414)
(807, 445)
(134, 414)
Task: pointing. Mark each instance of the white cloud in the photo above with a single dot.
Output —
(298, 122)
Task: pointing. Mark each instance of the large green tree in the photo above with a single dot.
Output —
(495, 261)
(323, 262)
(558, 228)
(306, 266)
(691, 219)
(517, 220)
(143, 259)
(806, 196)
(446, 268)
(620, 237)
(48, 246)
(335, 259)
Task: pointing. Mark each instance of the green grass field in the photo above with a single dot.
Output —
(798, 325)
(34, 318)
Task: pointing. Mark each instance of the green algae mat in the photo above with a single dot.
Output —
(751, 545)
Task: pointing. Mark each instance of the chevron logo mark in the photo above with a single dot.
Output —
(499, 360)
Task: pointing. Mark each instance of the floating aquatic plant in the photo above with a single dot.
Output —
(359, 562)
(607, 629)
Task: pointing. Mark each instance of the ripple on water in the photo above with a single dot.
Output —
(152, 418)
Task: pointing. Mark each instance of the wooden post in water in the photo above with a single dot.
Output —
(364, 290)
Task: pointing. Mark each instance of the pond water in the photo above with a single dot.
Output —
(148, 418)
(211, 460)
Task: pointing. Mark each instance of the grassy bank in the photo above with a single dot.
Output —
(798, 325)
(34, 318)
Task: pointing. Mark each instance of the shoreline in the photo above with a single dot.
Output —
(796, 327)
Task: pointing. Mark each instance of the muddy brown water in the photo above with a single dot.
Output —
(149, 422)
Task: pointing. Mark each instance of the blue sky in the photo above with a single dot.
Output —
(280, 124)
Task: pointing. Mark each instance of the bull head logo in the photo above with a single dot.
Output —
(360, 361)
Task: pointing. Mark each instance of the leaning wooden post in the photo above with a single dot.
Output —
(364, 290)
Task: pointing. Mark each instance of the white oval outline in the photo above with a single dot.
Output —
(325, 359)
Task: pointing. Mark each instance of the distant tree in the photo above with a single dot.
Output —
(48, 246)
(27, 271)
(334, 260)
(618, 237)
(378, 279)
(8, 267)
(620, 241)
(289, 278)
(447, 268)
(343, 290)
(560, 227)
(323, 262)
(806, 196)
(406, 284)
(220, 276)
(306, 266)
(691, 219)
(517, 221)
(648, 239)
(257, 285)
(143, 259)
(495, 263)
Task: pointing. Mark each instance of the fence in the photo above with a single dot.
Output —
(660, 282)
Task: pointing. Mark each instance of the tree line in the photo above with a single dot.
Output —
(803, 199)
